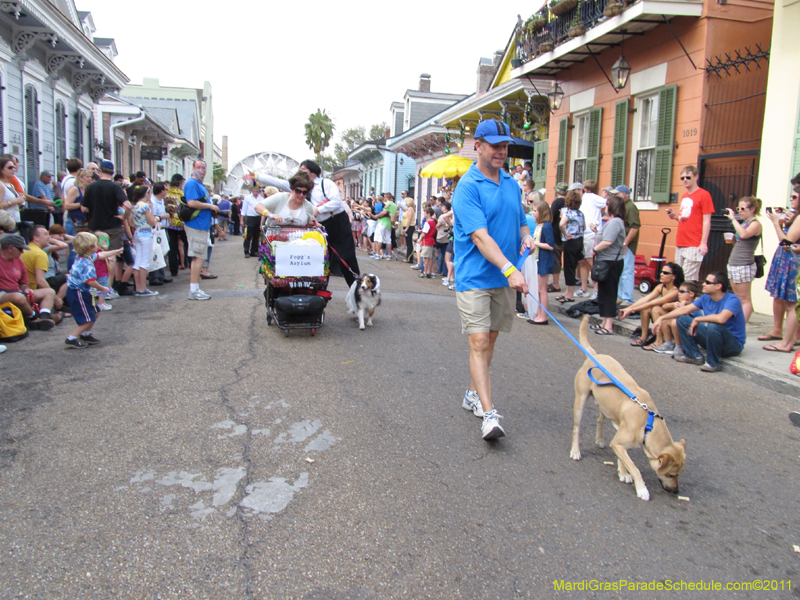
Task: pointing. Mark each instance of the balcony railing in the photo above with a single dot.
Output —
(586, 14)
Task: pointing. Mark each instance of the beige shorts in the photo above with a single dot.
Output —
(588, 243)
(198, 242)
(116, 235)
(426, 252)
(483, 311)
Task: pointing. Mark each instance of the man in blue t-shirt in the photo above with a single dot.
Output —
(720, 329)
(198, 228)
(489, 223)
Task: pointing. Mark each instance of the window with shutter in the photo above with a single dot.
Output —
(90, 150)
(539, 174)
(79, 133)
(2, 119)
(662, 177)
(620, 148)
(796, 152)
(31, 134)
(61, 136)
(561, 158)
(593, 144)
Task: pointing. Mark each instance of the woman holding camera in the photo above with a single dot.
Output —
(781, 281)
(742, 263)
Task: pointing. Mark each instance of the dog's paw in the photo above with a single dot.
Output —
(600, 443)
(361, 327)
(369, 323)
(644, 494)
(626, 479)
(575, 454)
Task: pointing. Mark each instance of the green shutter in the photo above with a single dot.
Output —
(796, 153)
(593, 150)
(540, 164)
(620, 150)
(662, 172)
(561, 160)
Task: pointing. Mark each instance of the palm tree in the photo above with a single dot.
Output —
(319, 131)
(219, 174)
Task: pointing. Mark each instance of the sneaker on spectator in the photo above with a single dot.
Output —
(105, 306)
(88, 338)
(75, 344)
(146, 292)
(678, 352)
(199, 295)
(111, 295)
(490, 428)
(581, 294)
(707, 368)
(445, 281)
(594, 296)
(689, 359)
(3, 348)
(473, 403)
(665, 348)
(415, 268)
(452, 287)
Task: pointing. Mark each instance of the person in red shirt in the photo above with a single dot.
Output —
(694, 224)
(427, 242)
(14, 286)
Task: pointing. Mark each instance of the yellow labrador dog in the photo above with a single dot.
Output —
(666, 456)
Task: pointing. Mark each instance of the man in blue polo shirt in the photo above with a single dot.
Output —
(489, 223)
(197, 229)
(720, 329)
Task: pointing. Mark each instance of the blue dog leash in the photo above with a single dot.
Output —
(614, 381)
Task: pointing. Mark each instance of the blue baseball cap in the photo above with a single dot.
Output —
(107, 164)
(493, 131)
(624, 189)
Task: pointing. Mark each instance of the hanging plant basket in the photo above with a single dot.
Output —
(613, 9)
(515, 62)
(576, 30)
(546, 47)
(562, 8)
(536, 24)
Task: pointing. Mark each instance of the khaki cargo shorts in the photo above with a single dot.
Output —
(483, 311)
(198, 242)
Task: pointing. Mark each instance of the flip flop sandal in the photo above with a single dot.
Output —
(551, 288)
(566, 300)
(559, 298)
(768, 337)
(640, 342)
(650, 339)
(604, 331)
(774, 348)
(649, 348)
(595, 327)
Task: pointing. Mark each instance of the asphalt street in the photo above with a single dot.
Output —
(199, 453)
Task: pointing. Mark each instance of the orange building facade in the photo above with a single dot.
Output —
(694, 96)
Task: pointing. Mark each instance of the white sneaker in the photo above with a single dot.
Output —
(445, 281)
(594, 296)
(199, 295)
(105, 306)
(473, 403)
(490, 428)
(111, 295)
(581, 294)
(3, 348)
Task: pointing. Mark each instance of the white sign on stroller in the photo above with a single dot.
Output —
(299, 260)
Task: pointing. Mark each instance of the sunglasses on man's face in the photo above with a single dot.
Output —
(686, 177)
(707, 282)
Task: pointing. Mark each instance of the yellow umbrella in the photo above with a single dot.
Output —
(447, 166)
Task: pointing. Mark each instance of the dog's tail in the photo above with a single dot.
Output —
(584, 338)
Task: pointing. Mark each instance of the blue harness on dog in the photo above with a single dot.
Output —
(651, 415)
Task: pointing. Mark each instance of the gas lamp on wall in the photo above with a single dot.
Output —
(556, 96)
(620, 72)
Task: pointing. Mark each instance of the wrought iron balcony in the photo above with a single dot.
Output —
(583, 15)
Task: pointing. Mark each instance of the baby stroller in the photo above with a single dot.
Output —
(295, 266)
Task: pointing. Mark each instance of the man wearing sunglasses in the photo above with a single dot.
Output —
(694, 224)
(720, 329)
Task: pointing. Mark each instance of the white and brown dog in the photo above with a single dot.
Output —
(666, 456)
(363, 298)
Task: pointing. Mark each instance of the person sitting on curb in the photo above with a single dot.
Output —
(657, 303)
(14, 286)
(720, 330)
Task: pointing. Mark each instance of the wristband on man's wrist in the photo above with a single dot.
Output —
(507, 266)
(525, 238)
(509, 271)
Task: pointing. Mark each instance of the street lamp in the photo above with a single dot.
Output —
(556, 96)
(620, 72)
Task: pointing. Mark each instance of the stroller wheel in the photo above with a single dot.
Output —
(269, 319)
